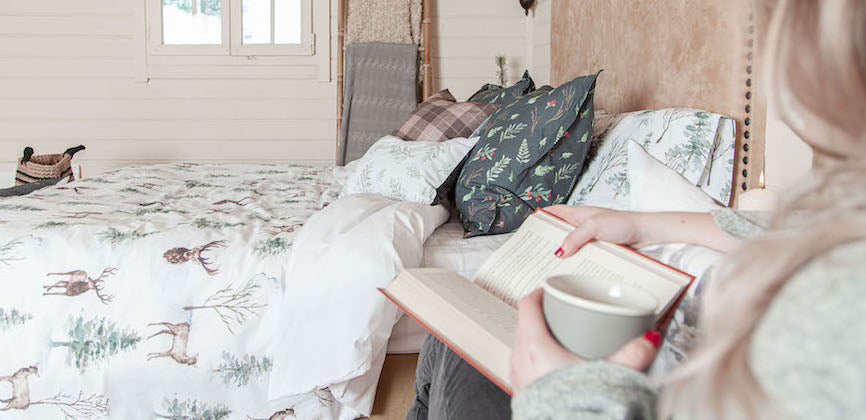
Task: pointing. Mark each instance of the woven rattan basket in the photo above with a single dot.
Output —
(33, 168)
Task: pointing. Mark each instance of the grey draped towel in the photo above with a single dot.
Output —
(379, 93)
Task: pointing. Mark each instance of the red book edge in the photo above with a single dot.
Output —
(450, 345)
(669, 314)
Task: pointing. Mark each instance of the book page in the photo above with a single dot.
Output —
(526, 260)
(523, 262)
(475, 324)
(491, 313)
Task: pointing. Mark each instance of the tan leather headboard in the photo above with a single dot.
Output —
(669, 53)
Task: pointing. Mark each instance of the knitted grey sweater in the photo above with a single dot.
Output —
(807, 352)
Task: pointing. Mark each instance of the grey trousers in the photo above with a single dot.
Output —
(449, 388)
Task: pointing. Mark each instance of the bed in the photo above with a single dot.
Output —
(163, 289)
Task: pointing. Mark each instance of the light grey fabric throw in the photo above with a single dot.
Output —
(379, 93)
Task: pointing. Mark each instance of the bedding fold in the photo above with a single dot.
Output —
(334, 323)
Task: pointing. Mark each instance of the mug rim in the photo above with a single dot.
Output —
(600, 306)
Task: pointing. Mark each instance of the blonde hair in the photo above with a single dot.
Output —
(816, 56)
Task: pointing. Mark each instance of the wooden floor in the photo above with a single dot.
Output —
(395, 392)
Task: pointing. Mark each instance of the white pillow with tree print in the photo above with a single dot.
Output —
(655, 187)
(681, 138)
(717, 182)
(406, 170)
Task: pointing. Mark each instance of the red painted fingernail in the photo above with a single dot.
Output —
(559, 252)
(654, 337)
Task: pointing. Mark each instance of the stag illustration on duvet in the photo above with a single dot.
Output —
(72, 407)
(79, 282)
(20, 389)
(179, 339)
(181, 255)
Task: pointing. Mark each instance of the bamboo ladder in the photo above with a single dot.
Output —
(423, 50)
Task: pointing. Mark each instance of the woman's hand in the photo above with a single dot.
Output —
(620, 227)
(639, 229)
(536, 353)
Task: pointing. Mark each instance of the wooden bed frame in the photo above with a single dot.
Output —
(426, 69)
(670, 53)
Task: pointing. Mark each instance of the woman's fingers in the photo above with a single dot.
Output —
(536, 353)
(577, 239)
(638, 353)
(530, 316)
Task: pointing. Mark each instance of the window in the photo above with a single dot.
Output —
(195, 22)
(271, 22)
(230, 27)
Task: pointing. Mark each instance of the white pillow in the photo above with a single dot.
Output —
(683, 139)
(406, 170)
(655, 187)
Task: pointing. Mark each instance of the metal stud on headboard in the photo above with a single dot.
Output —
(750, 43)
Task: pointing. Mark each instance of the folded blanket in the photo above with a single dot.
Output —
(379, 93)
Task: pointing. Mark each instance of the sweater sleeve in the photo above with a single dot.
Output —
(590, 390)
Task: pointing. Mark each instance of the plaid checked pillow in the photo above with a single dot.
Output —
(441, 117)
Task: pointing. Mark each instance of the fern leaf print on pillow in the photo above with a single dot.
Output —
(529, 155)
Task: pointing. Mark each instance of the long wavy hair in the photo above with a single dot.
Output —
(816, 60)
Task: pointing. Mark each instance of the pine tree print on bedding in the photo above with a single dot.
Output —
(192, 409)
(116, 236)
(10, 318)
(93, 340)
(530, 154)
(240, 371)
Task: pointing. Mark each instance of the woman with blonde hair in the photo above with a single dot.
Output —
(783, 319)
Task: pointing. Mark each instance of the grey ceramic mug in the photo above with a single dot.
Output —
(592, 317)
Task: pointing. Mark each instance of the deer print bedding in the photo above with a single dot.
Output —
(143, 293)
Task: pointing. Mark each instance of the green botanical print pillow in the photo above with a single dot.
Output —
(529, 155)
(496, 94)
(445, 192)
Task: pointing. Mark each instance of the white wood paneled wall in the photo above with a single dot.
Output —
(468, 35)
(67, 72)
(538, 43)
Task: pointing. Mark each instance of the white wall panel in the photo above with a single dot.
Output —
(468, 35)
(67, 76)
(539, 42)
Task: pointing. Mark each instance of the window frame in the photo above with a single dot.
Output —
(306, 47)
(231, 35)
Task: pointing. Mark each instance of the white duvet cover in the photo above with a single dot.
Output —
(157, 291)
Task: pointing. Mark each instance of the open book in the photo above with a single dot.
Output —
(477, 319)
